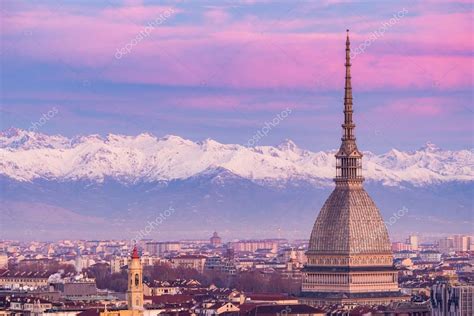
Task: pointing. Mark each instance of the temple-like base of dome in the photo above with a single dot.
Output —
(352, 299)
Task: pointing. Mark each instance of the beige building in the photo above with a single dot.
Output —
(254, 245)
(190, 262)
(164, 288)
(455, 243)
(349, 255)
(20, 279)
(117, 263)
(3, 261)
(162, 247)
(413, 241)
(31, 306)
(461, 242)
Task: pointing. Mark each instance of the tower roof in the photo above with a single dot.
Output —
(349, 221)
(135, 254)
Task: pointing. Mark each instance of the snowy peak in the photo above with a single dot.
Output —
(288, 145)
(430, 147)
(26, 156)
(15, 138)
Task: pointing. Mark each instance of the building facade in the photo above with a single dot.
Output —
(413, 241)
(254, 245)
(349, 255)
(452, 300)
(160, 248)
(195, 262)
(215, 240)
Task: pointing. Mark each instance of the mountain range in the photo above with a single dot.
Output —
(100, 187)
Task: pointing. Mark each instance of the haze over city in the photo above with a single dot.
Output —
(236, 158)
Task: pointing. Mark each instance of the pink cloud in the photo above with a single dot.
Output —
(416, 107)
(235, 54)
(216, 16)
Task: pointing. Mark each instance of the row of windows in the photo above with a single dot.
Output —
(24, 280)
(353, 279)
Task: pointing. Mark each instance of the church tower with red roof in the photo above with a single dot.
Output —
(135, 282)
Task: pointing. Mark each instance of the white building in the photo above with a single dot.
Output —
(413, 241)
(452, 300)
(3, 261)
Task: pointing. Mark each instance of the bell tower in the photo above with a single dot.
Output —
(135, 282)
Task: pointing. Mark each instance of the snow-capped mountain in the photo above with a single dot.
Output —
(103, 187)
(27, 156)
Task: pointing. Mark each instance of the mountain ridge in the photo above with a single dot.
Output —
(26, 156)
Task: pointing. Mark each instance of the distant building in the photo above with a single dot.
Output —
(160, 248)
(452, 300)
(400, 246)
(229, 254)
(254, 245)
(298, 255)
(430, 256)
(461, 242)
(77, 288)
(215, 240)
(216, 263)
(446, 245)
(219, 308)
(20, 279)
(213, 263)
(404, 254)
(413, 242)
(29, 306)
(3, 261)
(117, 263)
(276, 310)
(37, 264)
(82, 262)
(455, 243)
(157, 288)
(189, 261)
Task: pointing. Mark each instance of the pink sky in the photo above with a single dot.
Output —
(424, 59)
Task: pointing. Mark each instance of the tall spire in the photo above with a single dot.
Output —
(348, 158)
(348, 125)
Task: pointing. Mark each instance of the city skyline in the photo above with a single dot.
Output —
(236, 158)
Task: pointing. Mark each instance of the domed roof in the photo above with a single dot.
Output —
(349, 223)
